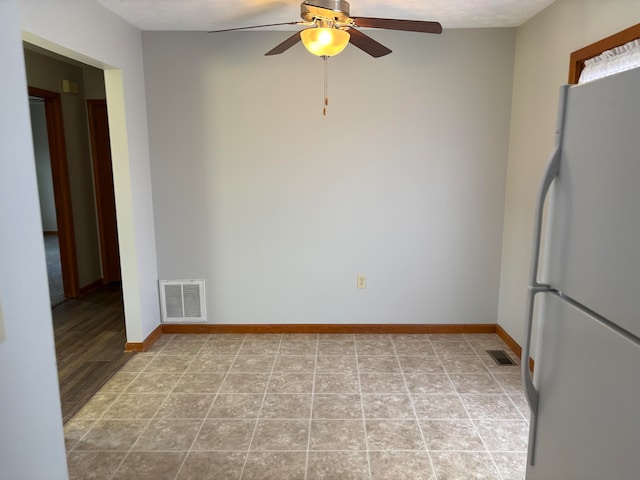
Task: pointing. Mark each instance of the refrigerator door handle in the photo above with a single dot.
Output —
(551, 172)
(535, 287)
(530, 390)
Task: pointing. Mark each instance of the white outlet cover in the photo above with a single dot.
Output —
(361, 281)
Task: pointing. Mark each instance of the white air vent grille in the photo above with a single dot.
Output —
(182, 301)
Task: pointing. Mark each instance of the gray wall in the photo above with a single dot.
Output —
(31, 436)
(48, 73)
(43, 166)
(279, 208)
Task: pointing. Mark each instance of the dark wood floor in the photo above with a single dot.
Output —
(90, 338)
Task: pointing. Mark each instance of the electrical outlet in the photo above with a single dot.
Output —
(362, 281)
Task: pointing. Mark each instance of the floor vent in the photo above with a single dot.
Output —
(500, 357)
(182, 301)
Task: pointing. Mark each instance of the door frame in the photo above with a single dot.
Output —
(105, 196)
(61, 189)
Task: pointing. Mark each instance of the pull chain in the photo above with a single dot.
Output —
(326, 85)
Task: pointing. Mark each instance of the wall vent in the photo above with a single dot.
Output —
(182, 301)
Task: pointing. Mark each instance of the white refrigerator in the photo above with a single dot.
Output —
(584, 293)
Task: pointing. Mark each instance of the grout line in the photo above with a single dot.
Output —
(264, 396)
(313, 390)
(413, 408)
(210, 406)
(506, 393)
(319, 450)
(364, 420)
(112, 476)
(475, 428)
(122, 392)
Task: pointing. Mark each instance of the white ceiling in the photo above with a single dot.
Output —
(204, 15)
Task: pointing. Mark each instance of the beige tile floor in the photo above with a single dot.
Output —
(308, 407)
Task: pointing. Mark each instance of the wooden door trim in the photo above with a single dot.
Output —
(103, 188)
(61, 189)
(98, 186)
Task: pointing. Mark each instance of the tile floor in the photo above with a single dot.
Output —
(308, 407)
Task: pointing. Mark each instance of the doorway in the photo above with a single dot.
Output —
(105, 195)
(70, 117)
(54, 190)
(76, 130)
(47, 199)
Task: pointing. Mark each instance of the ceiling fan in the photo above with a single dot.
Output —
(330, 28)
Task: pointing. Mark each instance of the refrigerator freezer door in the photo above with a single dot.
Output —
(588, 377)
(592, 251)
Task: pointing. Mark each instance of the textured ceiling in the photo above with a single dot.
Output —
(203, 15)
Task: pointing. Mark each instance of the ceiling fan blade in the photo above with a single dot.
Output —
(392, 24)
(367, 44)
(286, 45)
(254, 26)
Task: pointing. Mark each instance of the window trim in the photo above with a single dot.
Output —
(577, 58)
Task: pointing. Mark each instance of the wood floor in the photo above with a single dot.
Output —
(89, 336)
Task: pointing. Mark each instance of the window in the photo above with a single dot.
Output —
(578, 58)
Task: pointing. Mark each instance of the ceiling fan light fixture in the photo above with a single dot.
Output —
(324, 42)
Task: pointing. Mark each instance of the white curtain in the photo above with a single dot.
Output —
(619, 59)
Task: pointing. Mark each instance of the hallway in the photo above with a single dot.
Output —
(89, 339)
